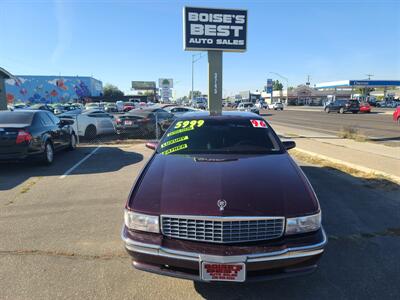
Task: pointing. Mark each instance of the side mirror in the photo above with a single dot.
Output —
(289, 144)
(152, 145)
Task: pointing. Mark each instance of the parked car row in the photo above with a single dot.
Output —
(34, 134)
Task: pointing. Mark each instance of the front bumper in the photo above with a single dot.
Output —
(287, 262)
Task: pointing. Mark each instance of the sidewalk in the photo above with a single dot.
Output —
(364, 156)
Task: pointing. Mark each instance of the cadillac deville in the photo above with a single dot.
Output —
(221, 200)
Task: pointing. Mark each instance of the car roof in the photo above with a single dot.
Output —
(223, 115)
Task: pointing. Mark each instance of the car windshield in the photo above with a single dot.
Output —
(16, 117)
(219, 136)
(247, 105)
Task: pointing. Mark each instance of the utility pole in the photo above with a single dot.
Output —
(195, 57)
(308, 80)
(287, 85)
(369, 76)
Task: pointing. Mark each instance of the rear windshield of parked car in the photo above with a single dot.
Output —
(208, 136)
(14, 117)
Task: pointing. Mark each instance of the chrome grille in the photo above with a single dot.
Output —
(222, 229)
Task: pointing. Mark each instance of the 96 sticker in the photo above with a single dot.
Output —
(258, 123)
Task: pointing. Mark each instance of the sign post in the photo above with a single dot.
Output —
(215, 81)
(214, 30)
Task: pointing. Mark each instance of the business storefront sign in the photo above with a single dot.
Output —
(165, 83)
(214, 29)
(269, 86)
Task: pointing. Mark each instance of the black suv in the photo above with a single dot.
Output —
(342, 106)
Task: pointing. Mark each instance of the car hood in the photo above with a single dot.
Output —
(252, 185)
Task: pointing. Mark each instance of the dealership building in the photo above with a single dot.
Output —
(51, 89)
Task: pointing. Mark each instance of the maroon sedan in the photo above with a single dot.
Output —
(222, 200)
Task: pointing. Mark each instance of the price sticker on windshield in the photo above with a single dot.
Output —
(192, 124)
(258, 123)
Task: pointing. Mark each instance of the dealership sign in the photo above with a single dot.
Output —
(214, 29)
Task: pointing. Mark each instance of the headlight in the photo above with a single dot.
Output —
(141, 222)
(303, 224)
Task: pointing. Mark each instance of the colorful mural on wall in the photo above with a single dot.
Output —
(51, 89)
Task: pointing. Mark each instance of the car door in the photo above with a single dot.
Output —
(52, 129)
(64, 130)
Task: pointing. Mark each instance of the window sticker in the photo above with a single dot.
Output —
(258, 123)
(174, 141)
(182, 130)
(174, 149)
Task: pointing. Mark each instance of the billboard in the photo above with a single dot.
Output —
(165, 83)
(214, 29)
(143, 85)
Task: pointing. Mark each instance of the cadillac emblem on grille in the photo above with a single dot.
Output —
(221, 204)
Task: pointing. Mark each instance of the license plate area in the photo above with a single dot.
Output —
(211, 271)
(128, 122)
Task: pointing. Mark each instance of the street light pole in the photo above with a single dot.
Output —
(287, 85)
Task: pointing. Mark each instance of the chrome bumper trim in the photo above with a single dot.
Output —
(289, 253)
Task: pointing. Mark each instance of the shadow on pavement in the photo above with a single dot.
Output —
(361, 258)
(105, 159)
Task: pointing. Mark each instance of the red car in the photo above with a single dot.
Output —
(396, 115)
(198, 210)
(365, 107)
(128, 106)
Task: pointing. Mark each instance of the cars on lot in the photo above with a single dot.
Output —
(41, 106)
(199, 103)
(128, 106)
(396, 115)
(110, 107)
(365, 107)
(34, 134)
(90, 123)
(146, 122)
(248, 106)
(276, 106)
(342, 106)
(195, 211)
(93, 105)
(178, 110)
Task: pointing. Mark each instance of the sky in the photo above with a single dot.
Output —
(124, 40)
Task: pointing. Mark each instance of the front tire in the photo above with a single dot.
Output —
(48, 154)
(341, 110)
(327, 110)
(72, 142)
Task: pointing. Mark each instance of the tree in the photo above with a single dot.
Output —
(195, 94)
(112, 91)
(277, 86)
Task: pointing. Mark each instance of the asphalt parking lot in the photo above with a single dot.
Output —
(60, 227)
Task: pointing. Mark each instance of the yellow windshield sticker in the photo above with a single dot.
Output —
(192, 123)
(174, 141)
(174, 149)
(175, 132)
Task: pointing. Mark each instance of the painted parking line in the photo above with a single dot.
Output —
(70, 170)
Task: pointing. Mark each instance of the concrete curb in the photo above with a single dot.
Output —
(391, 177)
